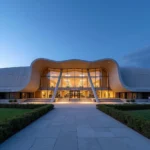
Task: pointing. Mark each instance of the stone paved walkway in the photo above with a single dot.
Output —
(76, 127)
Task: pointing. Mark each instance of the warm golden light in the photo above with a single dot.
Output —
(77, 83)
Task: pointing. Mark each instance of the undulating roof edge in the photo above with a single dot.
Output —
(117, 83)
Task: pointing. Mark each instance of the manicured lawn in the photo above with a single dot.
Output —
(6, 113)
(135, 116)
(141, 113)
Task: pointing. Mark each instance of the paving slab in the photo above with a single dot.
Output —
(88, 144)
(66, 141)
(17, 144)
(114, 143)
(85, 132)
(76, 127)
(69, 128)
(43, 144)
(52, 132)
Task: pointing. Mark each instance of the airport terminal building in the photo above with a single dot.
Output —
(74, 79)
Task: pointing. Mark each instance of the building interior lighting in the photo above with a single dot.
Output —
(67, 80)
(67, 75)
(82, 75)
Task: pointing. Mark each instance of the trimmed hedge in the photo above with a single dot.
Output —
(131, 106)
(139, 124)
(130, 100)
(22, 106)
(13, 125)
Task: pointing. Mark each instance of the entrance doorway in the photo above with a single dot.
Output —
(74, 93)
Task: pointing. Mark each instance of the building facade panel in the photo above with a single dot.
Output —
(40, 79)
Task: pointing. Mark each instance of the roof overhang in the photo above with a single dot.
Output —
(110, 65)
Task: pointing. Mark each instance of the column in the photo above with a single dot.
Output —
(92, 87)
(56, 88)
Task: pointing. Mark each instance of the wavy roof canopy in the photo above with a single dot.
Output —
(27, 79)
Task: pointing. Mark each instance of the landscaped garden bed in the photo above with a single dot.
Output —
(7, 113)
(14, 117)
(141, 113)
(133, 115)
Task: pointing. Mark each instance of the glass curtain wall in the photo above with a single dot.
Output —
(49, 78)
(100, 80)
(48, 83)
(76, 79)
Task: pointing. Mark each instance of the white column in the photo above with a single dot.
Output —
(56, 88)
(92, 87)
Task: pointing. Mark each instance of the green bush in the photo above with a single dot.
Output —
(11, 126)
(128, 100)
(139, 124)
(15, 100)
(10, 101)
(22, 106)
(130, 107)
(132, 100)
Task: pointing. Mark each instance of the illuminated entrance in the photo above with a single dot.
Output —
(75, 84)
(74, 94)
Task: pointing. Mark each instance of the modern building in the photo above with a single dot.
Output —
(74, 79)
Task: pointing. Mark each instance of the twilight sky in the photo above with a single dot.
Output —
(79, 29)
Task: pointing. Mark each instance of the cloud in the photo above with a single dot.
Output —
(139, 58)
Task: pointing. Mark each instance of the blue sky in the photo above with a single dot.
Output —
(67, 29)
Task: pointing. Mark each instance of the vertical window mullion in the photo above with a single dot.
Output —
(108, 84)
(95, 79)
(67, 79)
(50, 78)
(82, 79)
(74, 77)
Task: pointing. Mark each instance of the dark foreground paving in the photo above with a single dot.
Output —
(76, 127)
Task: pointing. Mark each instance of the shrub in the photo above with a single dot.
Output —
(139, 124)
(15, 100)
(10, 101)
(11, 126)
(128, 100)
(22, 106)
(132, 100)
(130, 107)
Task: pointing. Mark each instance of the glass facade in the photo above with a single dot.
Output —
(74, 83)
(74, 78)
(49, 78)
(74, 94)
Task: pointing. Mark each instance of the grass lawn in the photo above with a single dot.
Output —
(6, 113)
(142, 113)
